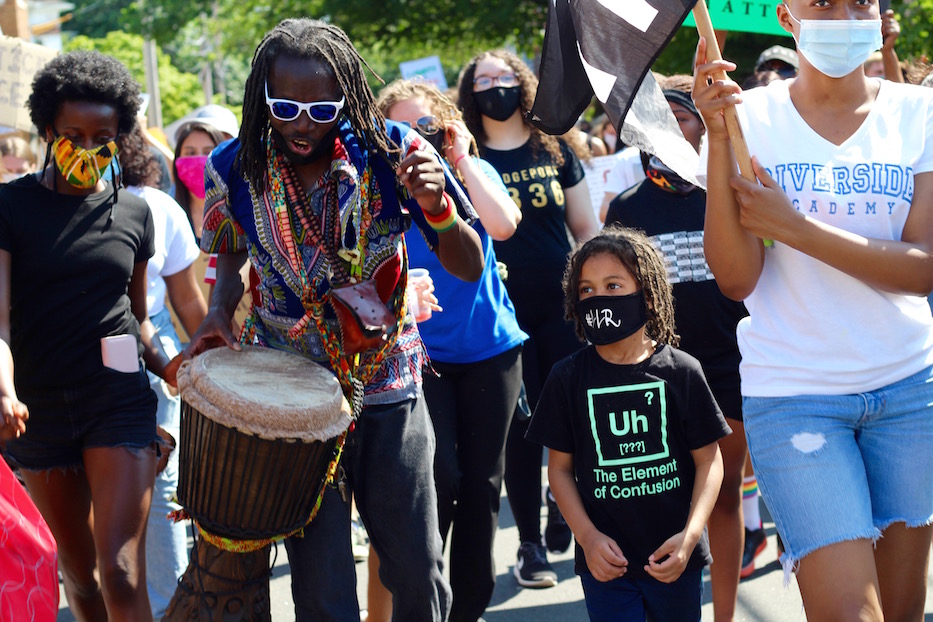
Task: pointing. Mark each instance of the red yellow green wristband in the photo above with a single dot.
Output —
(446, 220)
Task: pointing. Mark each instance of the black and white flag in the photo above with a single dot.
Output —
(606, 47)
(600, 46)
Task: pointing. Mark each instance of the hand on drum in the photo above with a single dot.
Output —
(214, 332)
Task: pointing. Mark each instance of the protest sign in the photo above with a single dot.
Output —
(19, 62)
(428, 69)
(758, 16)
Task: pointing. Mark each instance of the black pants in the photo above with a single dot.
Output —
(539, 309)
(471, 406)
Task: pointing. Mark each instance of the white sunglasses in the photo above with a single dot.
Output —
(289, 110)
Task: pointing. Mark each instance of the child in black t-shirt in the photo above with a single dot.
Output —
(632, 428)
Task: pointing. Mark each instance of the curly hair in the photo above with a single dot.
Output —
(306, 39)
(636, 252)
(83, 76)
(528, 84)
(441, 106)
(138, 165)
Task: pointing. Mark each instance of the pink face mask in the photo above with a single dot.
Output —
(191, 173)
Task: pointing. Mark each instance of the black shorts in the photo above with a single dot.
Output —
(110, 409)
(729, 399)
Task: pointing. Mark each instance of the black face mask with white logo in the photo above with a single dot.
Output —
(498, 103)
(608, 319)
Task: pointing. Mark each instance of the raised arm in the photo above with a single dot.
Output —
(497, 211)
(458, 249)
(734, 254)
(890, 31)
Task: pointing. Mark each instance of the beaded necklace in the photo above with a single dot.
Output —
(346, 265)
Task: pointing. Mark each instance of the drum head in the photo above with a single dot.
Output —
(265, 392)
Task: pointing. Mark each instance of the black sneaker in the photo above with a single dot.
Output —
(531, 567)
(557, 534)
(755, 543)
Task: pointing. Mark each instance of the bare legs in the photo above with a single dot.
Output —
(726, 527)
(854, 581)
(98, 517)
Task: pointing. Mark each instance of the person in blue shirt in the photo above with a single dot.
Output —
(473, 395)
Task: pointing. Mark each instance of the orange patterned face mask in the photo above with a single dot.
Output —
(82, 168)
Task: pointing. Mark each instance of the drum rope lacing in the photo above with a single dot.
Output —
(205, 596)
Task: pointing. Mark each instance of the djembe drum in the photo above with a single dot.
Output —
(261, 434)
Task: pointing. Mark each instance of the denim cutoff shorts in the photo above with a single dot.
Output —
(109, 409)
(833, 468)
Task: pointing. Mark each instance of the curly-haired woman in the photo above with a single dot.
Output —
(545, 179)
(73, 255)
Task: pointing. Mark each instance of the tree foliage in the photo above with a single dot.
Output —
(224, 34)
(180, 91)
(916, 19)
(95, 18)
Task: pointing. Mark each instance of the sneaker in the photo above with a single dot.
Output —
(557, 534)
(755, 543)
(531, 567)
(360, 541)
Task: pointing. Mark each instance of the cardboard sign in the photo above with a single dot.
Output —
(758, 16)
(19, 62)
(428, 69)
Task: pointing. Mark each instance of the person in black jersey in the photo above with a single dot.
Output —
(545, 179)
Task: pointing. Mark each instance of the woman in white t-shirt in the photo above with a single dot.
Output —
(170, 272)
(837, 351)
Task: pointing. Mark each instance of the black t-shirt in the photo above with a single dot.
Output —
(630, 429)
(705, 318)
(71, 269)
(539, 246)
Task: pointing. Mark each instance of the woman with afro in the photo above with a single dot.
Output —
(73, 256)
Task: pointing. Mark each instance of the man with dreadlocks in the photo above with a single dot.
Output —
(318, 189)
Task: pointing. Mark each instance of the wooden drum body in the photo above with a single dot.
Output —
(261, 432)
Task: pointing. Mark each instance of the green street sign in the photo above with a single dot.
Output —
(757, 16)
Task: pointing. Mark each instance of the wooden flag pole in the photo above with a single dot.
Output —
(739, 147)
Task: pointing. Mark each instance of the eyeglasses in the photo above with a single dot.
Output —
(779, 67)
(289, 110)
(426, 125)
(484, 83)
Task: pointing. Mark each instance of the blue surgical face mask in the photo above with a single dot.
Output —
(837, 47)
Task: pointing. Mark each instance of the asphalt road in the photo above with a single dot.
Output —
(762, 597)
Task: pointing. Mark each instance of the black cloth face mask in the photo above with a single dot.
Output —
(608, 319)
(436, 140)
(498, 103)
